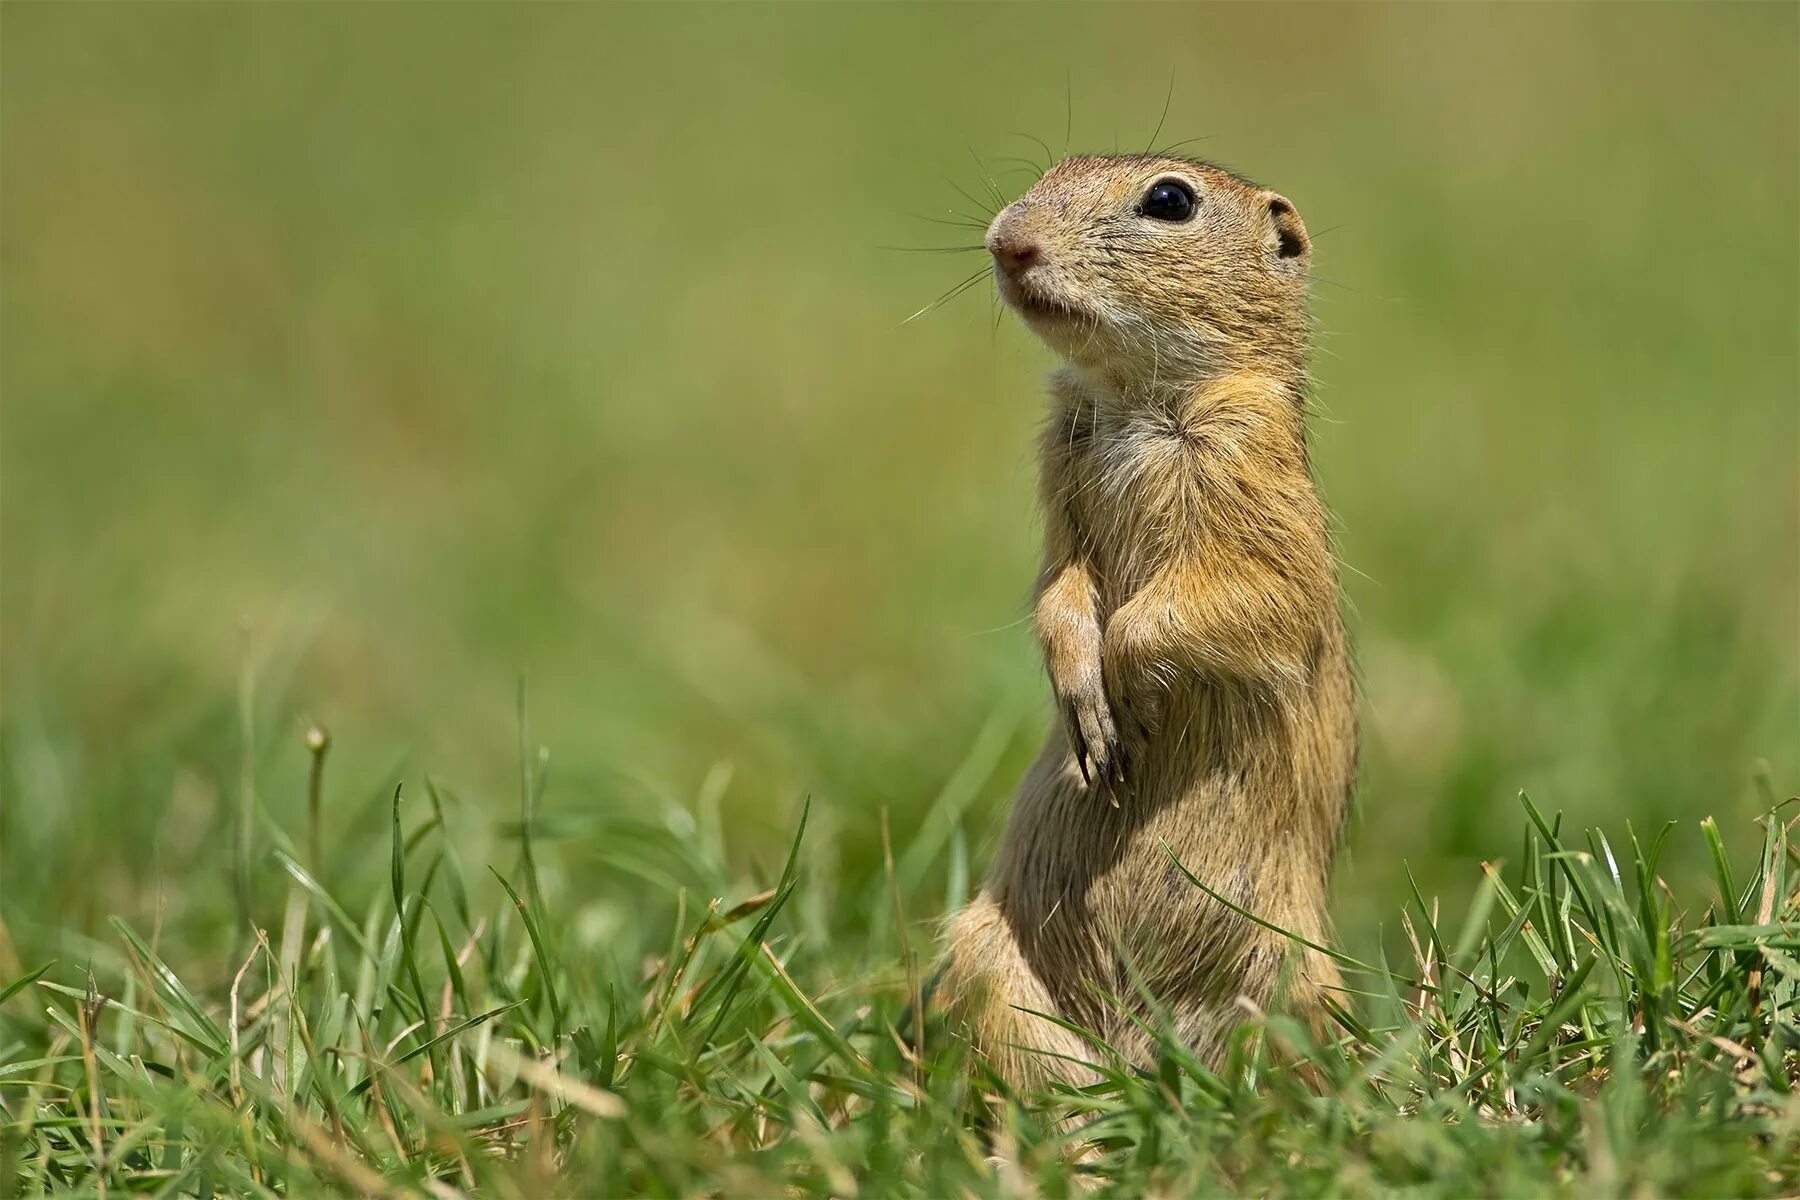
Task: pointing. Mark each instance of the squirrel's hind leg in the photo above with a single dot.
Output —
(988, 987)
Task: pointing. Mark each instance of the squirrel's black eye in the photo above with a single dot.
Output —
(1168, 200)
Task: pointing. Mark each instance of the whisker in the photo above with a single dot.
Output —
(1024, 164)
(950, 295)
(972, 200)
(1049, 155)
(993, 188)
(1170, 149)
(932, 249)
(1068, 107)
(962, 221)
(1313, 277)
(1157, 132)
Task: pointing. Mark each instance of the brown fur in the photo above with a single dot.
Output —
(1187, 611)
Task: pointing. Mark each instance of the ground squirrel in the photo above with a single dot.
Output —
(1188, 614)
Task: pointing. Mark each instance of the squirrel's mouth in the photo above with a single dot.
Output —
(1035, 304)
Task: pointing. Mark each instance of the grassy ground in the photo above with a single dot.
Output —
(356, 361)
(1581, 1030)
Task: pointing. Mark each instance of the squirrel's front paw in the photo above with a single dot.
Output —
(1139, 715)
(1137, 696)
(1093, 736)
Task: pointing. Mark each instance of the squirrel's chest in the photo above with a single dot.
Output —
(1138, 490)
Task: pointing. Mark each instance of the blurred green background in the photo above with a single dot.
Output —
(357, 359)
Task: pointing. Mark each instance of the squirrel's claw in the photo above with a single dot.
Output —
(1073, 726)
(1094, 740)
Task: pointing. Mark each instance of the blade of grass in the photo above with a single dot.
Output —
(539, 951)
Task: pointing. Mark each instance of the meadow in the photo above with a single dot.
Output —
(470, 494)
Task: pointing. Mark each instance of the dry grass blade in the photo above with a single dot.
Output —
(547, 1079)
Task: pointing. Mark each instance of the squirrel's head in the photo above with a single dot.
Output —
(1155, 270)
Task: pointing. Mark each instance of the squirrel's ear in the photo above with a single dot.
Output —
(1287, 232)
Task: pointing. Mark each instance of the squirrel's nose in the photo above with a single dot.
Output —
(1014, 252)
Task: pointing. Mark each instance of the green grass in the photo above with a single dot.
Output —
(358, 358)
(1582, 1030)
